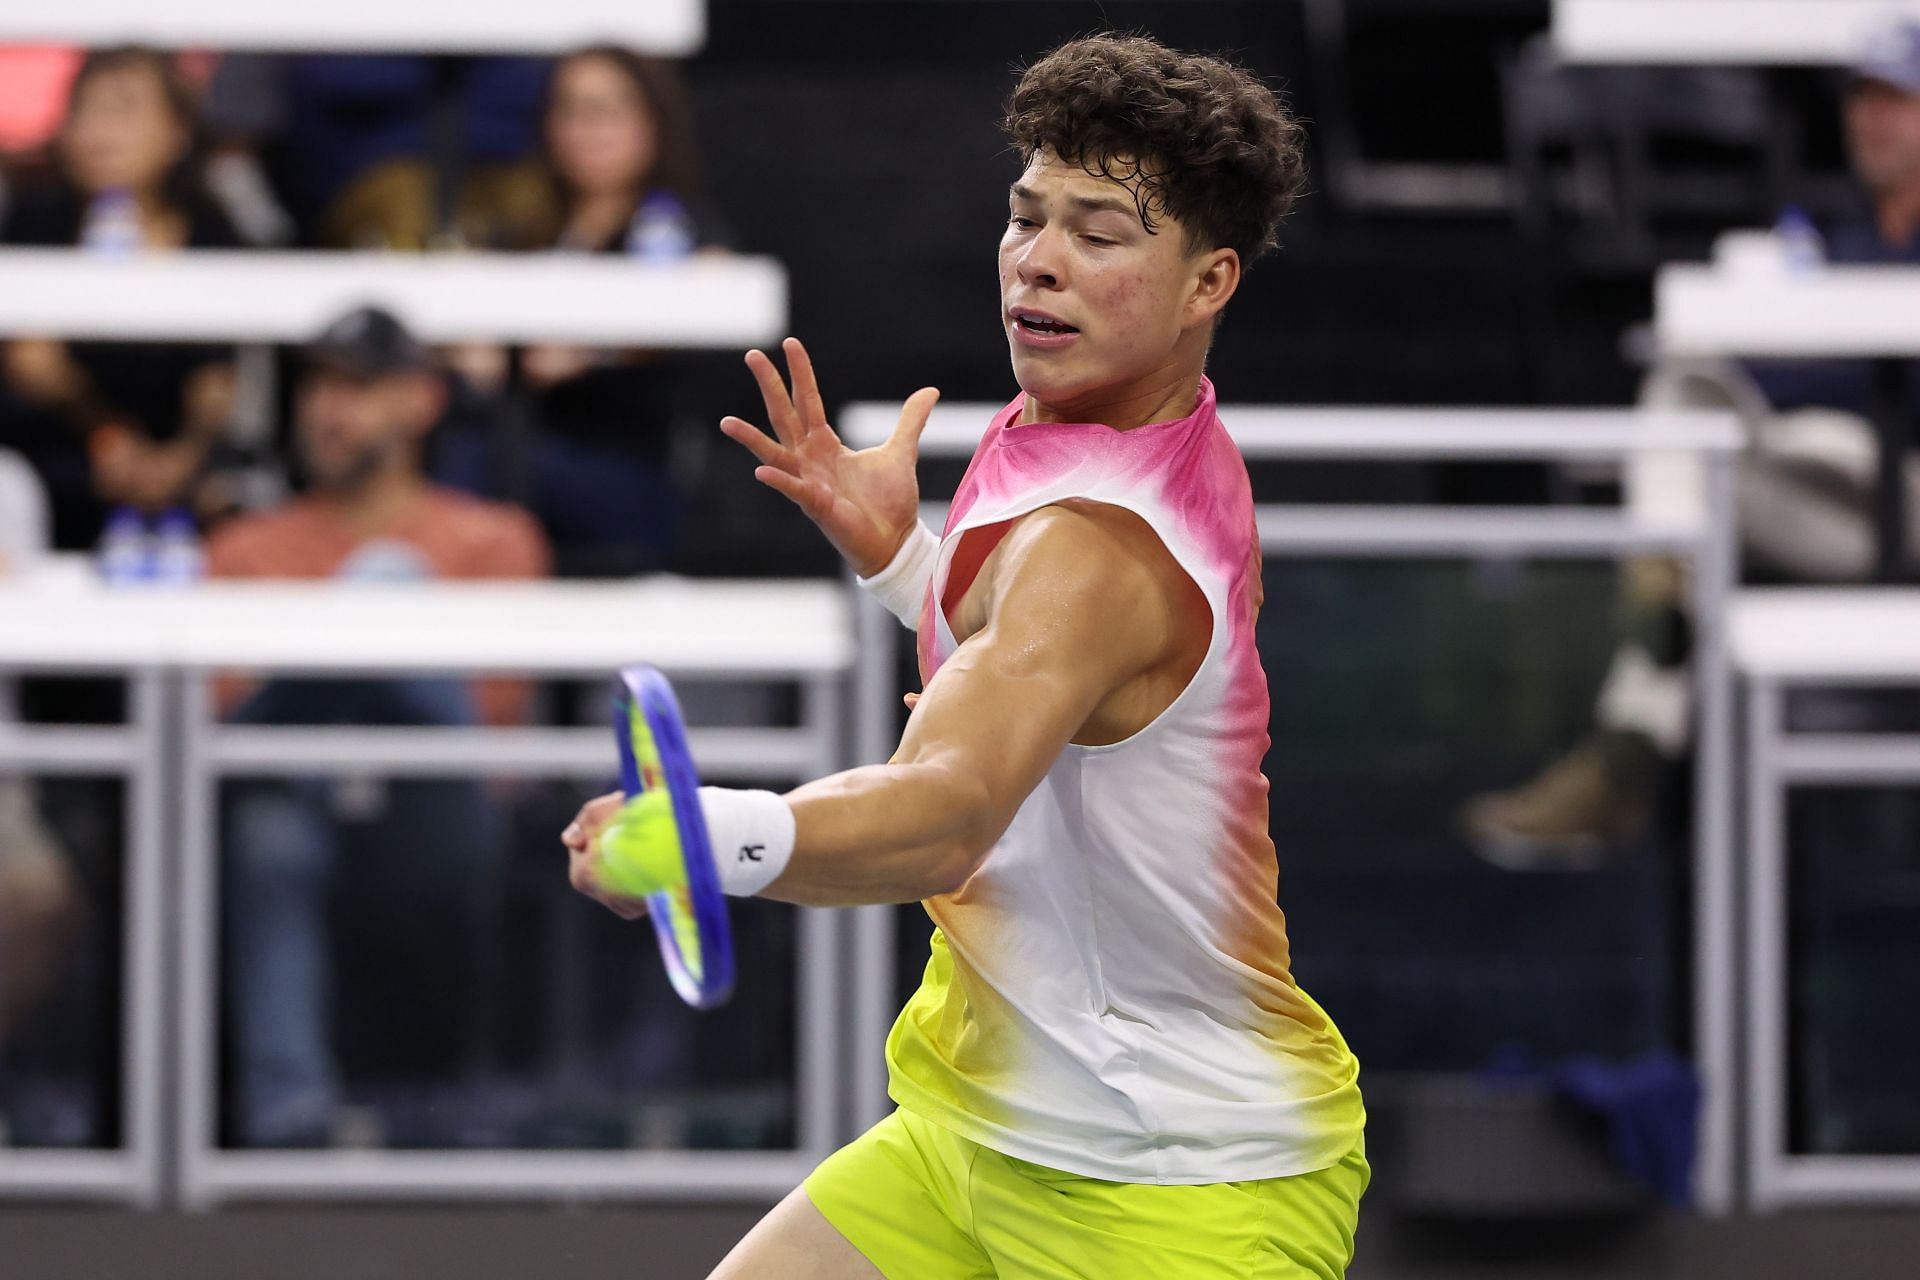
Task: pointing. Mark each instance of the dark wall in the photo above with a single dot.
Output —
(859, 142)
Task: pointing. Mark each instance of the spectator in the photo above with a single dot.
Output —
(1805, 495)
(368, 399)
(389, 151)
(625, 177)
(40, 898)
(112, 422)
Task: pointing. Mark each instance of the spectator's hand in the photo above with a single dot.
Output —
(207, 400)
(482, 364)
(582, 838)
(42, 372)
(545, 366)
(129, 468)
(866, 501)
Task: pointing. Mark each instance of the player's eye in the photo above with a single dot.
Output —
(1020, 221)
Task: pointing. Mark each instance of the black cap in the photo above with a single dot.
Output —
(368, 342)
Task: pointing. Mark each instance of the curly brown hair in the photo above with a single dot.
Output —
(1195, 138)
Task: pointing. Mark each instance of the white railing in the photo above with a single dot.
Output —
(241, 296)
(676, 27)
(1791, 32)
(1783, 640)
(176, 752)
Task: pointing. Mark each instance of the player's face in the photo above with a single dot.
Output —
(1095, 305)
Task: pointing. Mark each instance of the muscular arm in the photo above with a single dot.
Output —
(1076, 608)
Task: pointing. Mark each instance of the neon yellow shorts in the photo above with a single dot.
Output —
(923, 1203)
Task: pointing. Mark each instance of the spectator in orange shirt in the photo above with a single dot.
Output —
(370, 397)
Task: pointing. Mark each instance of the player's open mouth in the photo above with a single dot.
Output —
(1036, 329)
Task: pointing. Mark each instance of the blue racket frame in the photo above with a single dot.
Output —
(706, 980)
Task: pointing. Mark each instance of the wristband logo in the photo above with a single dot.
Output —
(752, 852)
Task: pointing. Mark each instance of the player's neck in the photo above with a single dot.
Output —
(1166, 395)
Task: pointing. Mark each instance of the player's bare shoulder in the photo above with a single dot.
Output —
(1100, 569)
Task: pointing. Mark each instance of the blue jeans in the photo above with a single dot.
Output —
(607, 511)
(284, 857)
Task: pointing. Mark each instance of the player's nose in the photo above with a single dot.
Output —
(1038, 263)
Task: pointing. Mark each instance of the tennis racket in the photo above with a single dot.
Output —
(689, 921)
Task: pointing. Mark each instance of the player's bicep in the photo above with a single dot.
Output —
(1072, 618)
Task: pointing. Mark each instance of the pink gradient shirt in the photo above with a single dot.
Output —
(1110, 995)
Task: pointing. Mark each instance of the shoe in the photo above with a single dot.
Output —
(1589, 802)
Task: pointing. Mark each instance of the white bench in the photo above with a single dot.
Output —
(1795, 32)
(175, 753)
(1809, 638)
(676, 27)
(251, 297)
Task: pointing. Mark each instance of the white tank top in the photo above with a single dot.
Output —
(1110, 993)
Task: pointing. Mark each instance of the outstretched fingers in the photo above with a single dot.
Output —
(806, 388)
(773, 390)
(761, 445)
(913, 420)
(809, 495)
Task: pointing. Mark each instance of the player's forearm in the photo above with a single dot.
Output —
(885, 833)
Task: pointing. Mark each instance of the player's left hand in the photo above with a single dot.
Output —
(586, 863)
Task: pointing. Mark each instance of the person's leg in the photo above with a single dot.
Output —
(279, 866)
(1601, 793)
(893, 1202)
(41, 908)
(795, 1242)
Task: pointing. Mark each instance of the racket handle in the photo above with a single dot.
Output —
(640, 851)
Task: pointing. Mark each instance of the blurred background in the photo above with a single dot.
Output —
(359, 382)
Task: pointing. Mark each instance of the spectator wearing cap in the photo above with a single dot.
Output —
(116, 422)
(1805, 494)
(366, 402)
(1881, 115)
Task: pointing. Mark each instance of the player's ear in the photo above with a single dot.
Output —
(1216, 276)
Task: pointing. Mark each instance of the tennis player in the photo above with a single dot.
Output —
(1108, 1071)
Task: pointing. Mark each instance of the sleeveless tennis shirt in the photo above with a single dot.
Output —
(1110, 994)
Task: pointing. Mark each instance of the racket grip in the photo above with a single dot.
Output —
(640, 852)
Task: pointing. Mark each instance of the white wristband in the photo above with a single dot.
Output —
(752, 837)
(902, 585)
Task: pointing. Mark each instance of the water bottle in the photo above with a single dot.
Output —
(177, 557)
(661, 230)
(112, 227)
(125, 555)
(1801, 246)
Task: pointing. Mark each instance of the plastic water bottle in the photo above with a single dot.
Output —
(112, 227)
(125, 554)
(1801, 245)
(661, 230)
(177, 557)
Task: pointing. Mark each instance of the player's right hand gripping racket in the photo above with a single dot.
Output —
(690, 915)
